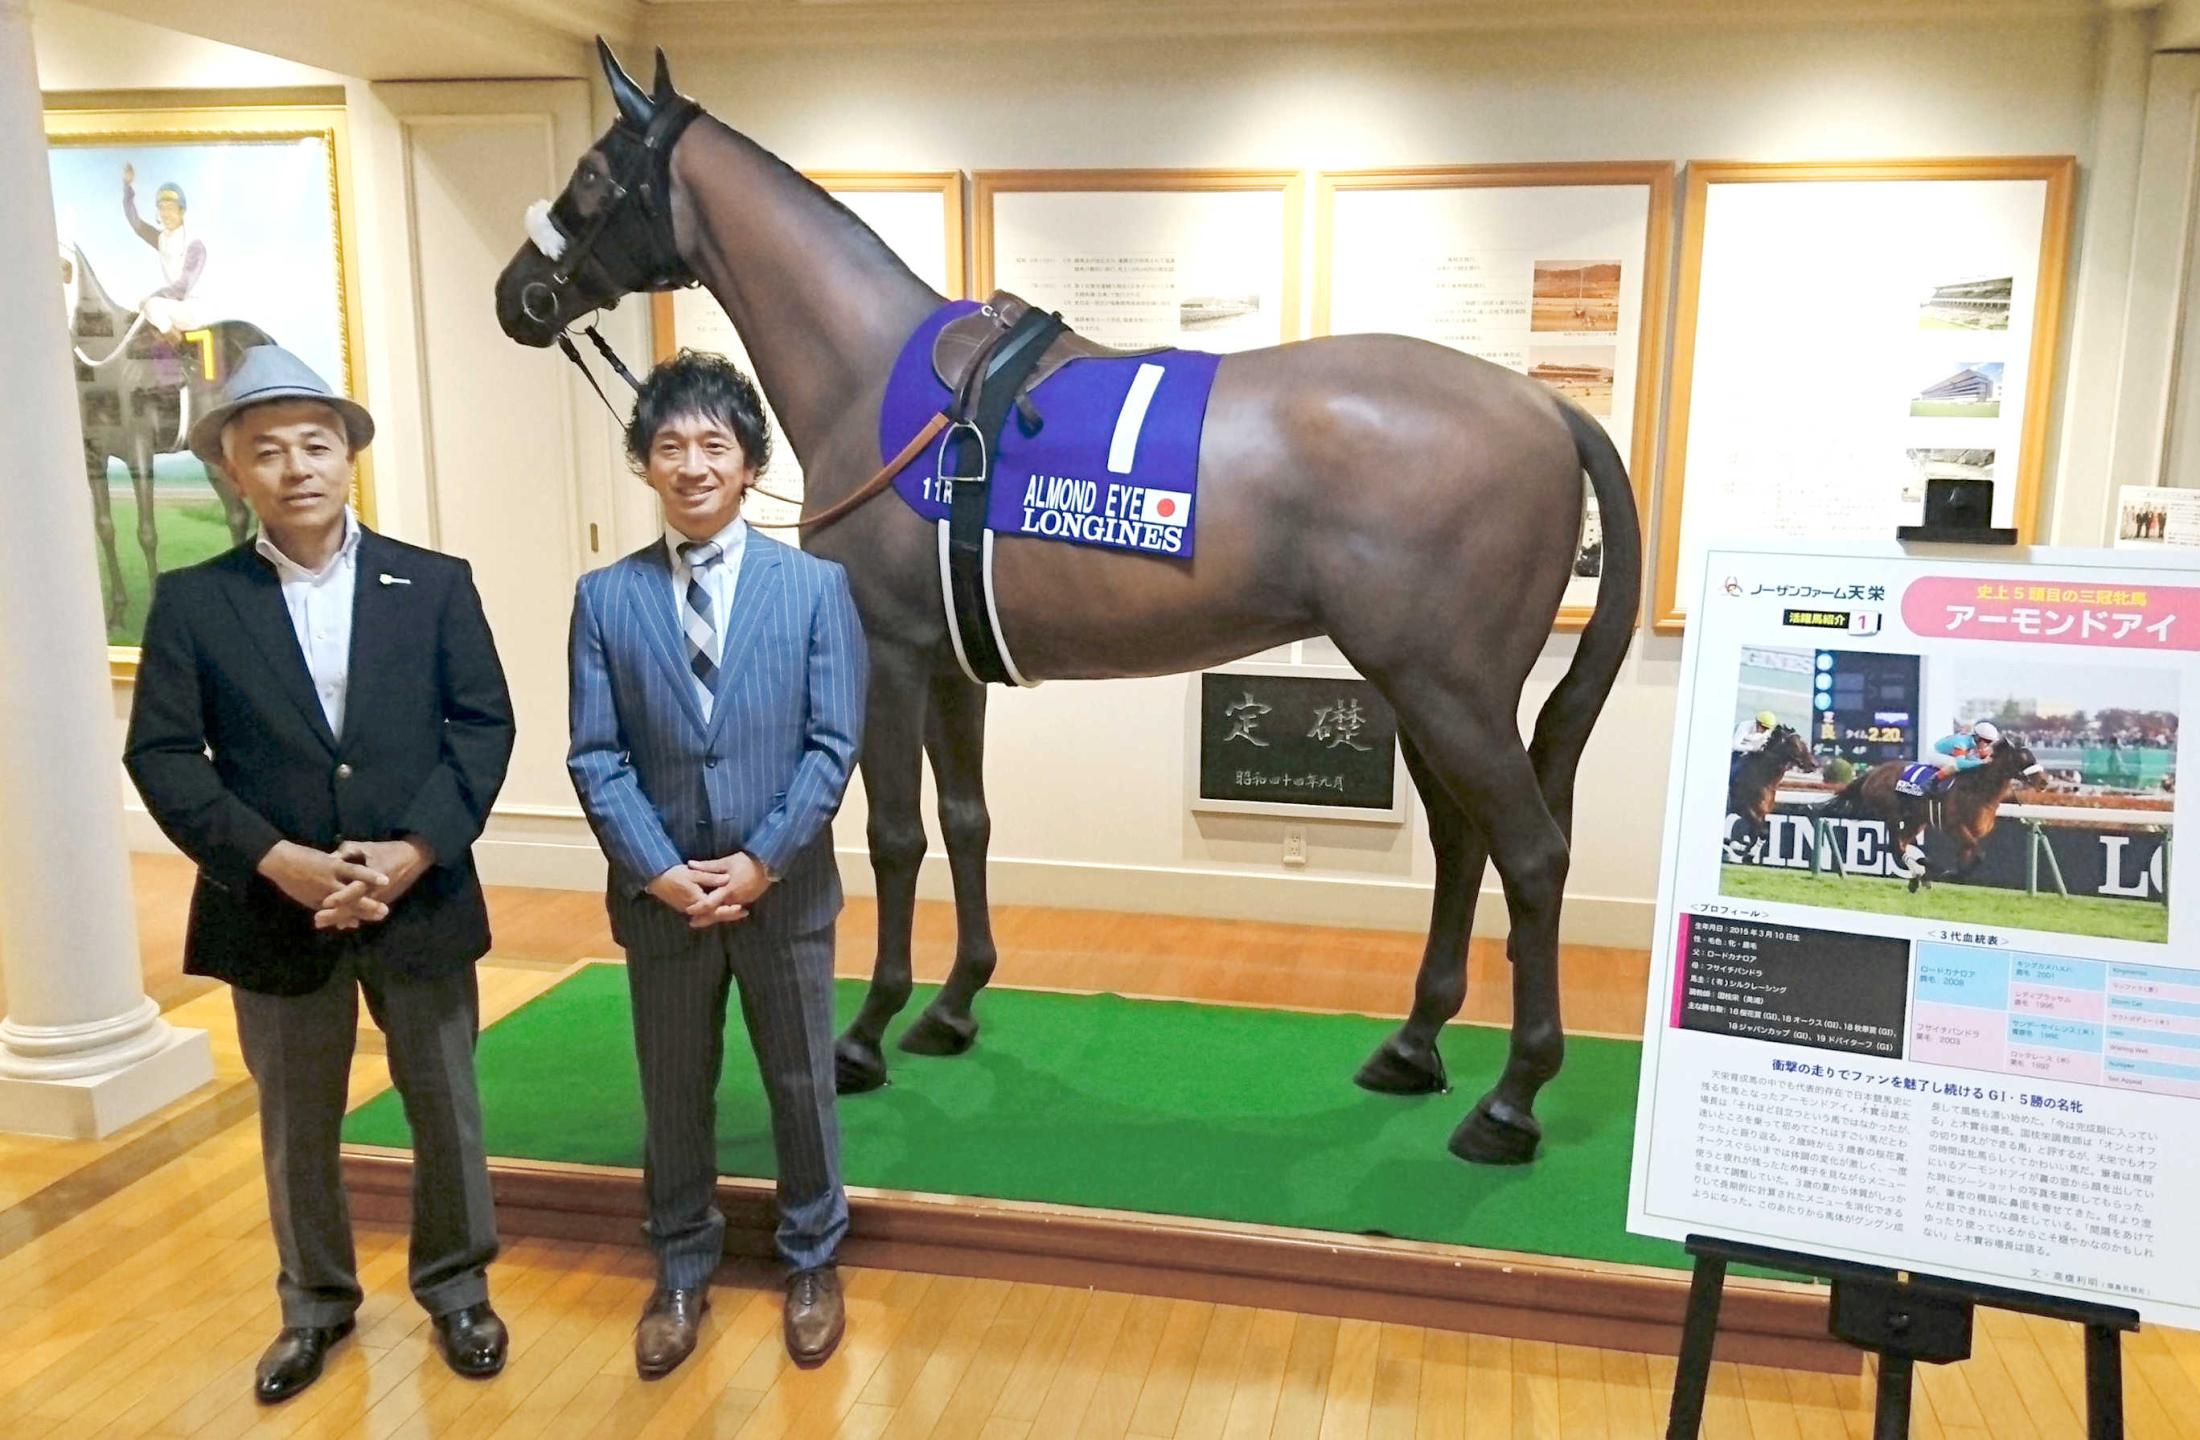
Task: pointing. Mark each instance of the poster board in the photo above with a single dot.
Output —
(1846, 331)
(1559, 271)
(919, 214)
(1198, 259)
(1994, 1079)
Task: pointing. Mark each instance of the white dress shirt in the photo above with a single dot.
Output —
(718, 581)
(320, 605)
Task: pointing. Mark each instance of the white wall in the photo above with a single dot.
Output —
(1111, 829)
(434, 163)
(85, 49)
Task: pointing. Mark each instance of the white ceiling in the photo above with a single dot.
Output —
(452, 39)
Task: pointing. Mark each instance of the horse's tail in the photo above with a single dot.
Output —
(1562, 726)
(1843, 806)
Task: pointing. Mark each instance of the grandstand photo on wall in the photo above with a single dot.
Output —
(2040, 799)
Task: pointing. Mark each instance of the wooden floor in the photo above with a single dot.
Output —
(136, 1277)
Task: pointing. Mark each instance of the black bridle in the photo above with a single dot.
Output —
(641, 171)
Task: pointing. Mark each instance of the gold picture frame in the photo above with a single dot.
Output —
(947, 184)
(2057, 173)
(988, 186)
(1657, 179)
(164, 131)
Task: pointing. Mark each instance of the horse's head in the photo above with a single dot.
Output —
(1789, 747)
(2015, 759)
(609, 233)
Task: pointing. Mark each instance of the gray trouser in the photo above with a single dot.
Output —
(679, 1036)
(298, 1047)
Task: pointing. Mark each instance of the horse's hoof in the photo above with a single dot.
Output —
(857, 1065)
(940, 1032)
(1399, 1067)
(1496, 1133)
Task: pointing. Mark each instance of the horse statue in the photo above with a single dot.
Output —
(136, 392)
(1420, 506)
(1755, 785)
(1906, 798)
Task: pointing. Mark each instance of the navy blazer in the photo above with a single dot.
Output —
(768, 771)
(229, 746)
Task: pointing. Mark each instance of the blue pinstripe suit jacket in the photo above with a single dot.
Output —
(764, 775)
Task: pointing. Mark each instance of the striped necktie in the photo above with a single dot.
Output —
(702, 632)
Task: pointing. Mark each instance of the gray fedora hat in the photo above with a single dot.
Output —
(266, 374)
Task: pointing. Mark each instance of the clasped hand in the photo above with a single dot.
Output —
(712, 892)
(355, 884)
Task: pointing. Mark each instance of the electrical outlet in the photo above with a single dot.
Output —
(1294, 844)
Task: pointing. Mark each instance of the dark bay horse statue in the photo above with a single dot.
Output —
(1755, 786)
(1964, 811)
(1421, 507)
(135, 392)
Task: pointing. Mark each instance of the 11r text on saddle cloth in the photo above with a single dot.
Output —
(1114, 461)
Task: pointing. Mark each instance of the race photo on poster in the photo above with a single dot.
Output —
(176, 255)
(1925, 987)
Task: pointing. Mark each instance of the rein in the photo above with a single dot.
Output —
(819, 521)
(649, 179)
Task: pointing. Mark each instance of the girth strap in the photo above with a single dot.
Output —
(966, 468)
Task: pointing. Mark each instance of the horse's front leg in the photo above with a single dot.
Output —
(103, 524)
(148, 523)
(893, 742)
(1911, 844)
(954, 737)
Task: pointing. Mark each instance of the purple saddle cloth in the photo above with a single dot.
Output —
(1919, 779)
(1115, 462)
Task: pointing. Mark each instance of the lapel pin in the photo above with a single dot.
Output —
(389, 579)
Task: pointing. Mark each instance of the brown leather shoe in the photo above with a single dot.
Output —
(666, 1334)
(815, 1317)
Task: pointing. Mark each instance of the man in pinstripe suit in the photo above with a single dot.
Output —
(717, 707)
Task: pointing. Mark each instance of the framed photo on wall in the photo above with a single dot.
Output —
(919, 214)
(1558, 271)
(188, 235)
(1847, 331)
(1295, 741)
(1196, 259)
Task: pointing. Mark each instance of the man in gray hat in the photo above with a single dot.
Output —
(321, 723)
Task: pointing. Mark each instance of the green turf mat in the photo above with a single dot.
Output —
(1170, 1108)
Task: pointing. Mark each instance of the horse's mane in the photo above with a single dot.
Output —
(850, 221)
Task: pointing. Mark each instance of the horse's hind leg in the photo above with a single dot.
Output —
(1408, 1063)
(1473, 749)
(893, 748)
(954, 737)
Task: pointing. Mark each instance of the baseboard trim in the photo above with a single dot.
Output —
(1491, 1292)
(550, 854)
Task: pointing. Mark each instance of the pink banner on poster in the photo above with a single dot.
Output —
(2107, 617)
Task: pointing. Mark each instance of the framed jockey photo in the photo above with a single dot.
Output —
(1917, 306)
(918, 213)
(189, 234)
(1558, 271)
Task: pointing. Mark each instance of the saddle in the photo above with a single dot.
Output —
(963, 340)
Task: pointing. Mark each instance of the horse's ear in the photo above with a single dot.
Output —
(660, 89)
(634, 106)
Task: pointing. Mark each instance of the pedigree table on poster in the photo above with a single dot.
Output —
(1882, 1045)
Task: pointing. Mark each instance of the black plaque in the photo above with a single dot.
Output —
(1826, 989)
(1329, 742)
